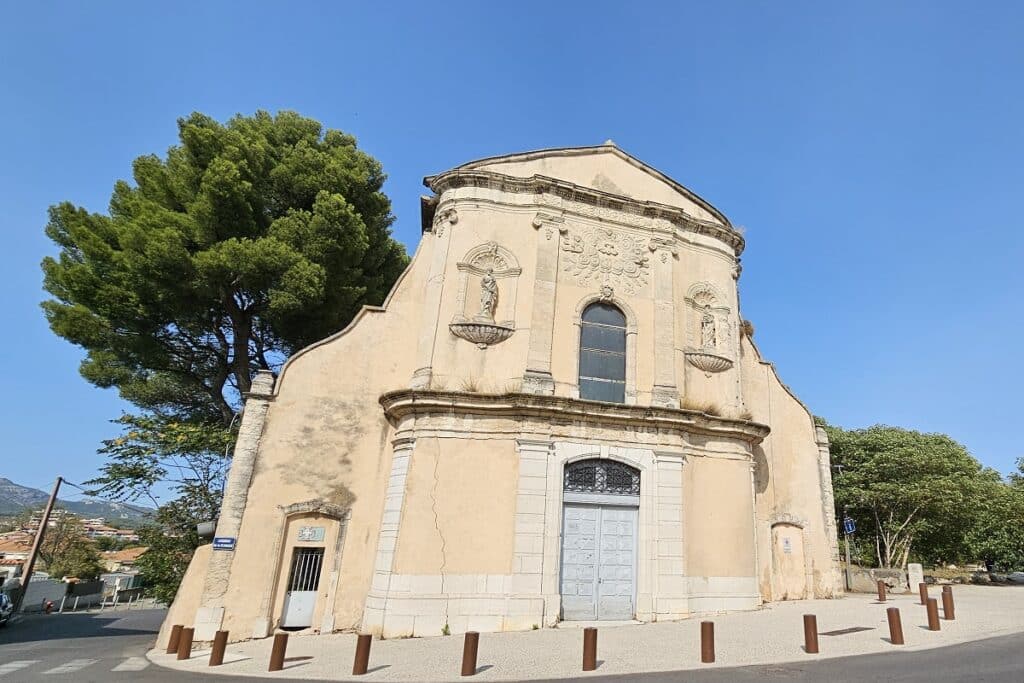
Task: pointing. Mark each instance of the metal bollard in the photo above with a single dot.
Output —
(922, 588)
(362, 659)
(707, 642)
(220, 643)
(185, 643)
(589, 648)
(948, 610)
(810, 634)
(881, 591)
(277, 652)
(469, 650)
(172, 642)
(74, 608)
(933, 614)
(895, 626)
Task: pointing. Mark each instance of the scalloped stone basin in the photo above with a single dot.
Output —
(481, 333)
(708, 362)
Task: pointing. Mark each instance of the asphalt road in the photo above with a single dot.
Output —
(111, 646)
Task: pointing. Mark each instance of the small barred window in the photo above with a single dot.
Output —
(602, 476)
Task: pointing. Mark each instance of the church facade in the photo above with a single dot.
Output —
(558, 414)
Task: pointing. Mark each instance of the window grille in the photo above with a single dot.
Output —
(603, 354)
(602, 476)
(305, 570)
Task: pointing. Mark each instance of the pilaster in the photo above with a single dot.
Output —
(387, 537)
(828, 504)
(236, 493)
(537, 379)
(671, 591)
(665, 392)
(431, 322)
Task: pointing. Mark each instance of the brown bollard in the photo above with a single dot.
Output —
(469, 649)
(922, 588)
(172, 643)
(707, 642)
(589, 648)
(810, 634)
(362, 655)
(933, 614)
(185, 643)
(277, 652)
(220, 643)
(881, 591)
(948, 610)
(895, 626)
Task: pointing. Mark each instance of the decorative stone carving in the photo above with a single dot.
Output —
(708, 337)
(665, 245)
(488, 295)
(607, 293)
(483, 334)
(443, 218)
(606, 257)
(320, 507)
(491, 263)
(709, 363)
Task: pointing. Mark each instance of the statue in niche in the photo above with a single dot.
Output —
(708, 336)
(488, 295)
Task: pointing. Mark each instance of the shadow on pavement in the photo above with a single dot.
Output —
(51, 627)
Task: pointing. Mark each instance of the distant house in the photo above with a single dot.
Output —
(121, 560)
(14, 549)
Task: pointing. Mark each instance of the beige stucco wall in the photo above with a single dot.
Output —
(459, 508)
(183, 608)
(787, 478)
(718, 514)
(325, 438)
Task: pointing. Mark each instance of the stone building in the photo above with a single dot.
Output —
(558, 414)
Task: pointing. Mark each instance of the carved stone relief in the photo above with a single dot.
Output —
(488, 277)
(709, 329)
(606, 257)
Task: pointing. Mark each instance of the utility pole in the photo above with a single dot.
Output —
(846, 542)
(30, 563)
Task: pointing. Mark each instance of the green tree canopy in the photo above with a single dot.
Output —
(999, 534)
(911, 492)
(246, 242)
(67, 551)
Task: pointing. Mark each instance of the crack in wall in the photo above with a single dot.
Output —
(437, 527)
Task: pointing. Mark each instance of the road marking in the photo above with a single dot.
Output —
(72, 666)
(132, 664)
(11, 667)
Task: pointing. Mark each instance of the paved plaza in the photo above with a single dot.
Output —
(854, 625)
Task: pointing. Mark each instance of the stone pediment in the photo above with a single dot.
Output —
(605, 168)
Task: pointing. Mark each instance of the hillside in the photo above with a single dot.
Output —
(15, 499)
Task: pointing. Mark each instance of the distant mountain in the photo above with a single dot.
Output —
(15, 499)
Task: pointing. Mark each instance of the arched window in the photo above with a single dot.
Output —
(603, 353)
(602, 476)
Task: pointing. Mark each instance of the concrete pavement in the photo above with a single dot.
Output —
(855, 625)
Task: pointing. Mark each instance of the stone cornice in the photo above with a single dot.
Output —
(405, 402)
(539, 184)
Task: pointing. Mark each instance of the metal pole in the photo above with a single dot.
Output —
(277, 652)
(75, 606)
(220, 643)
(589, 648)
(948, 610)
(810, 634)
(707, 642)
(846, 542)
(172, 642)
(933, 615)
(469, 650)
(185, 643)
(895, 626)
(362, 659)
(30, 563)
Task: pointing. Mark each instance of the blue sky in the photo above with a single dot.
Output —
(872, 151)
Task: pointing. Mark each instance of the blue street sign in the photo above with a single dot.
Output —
(849, 526)
(224, 543)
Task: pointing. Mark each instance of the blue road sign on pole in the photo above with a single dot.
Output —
(849, 526)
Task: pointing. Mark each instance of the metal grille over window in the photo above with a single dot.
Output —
(305, 572)
(603, 354)
(602, 476)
